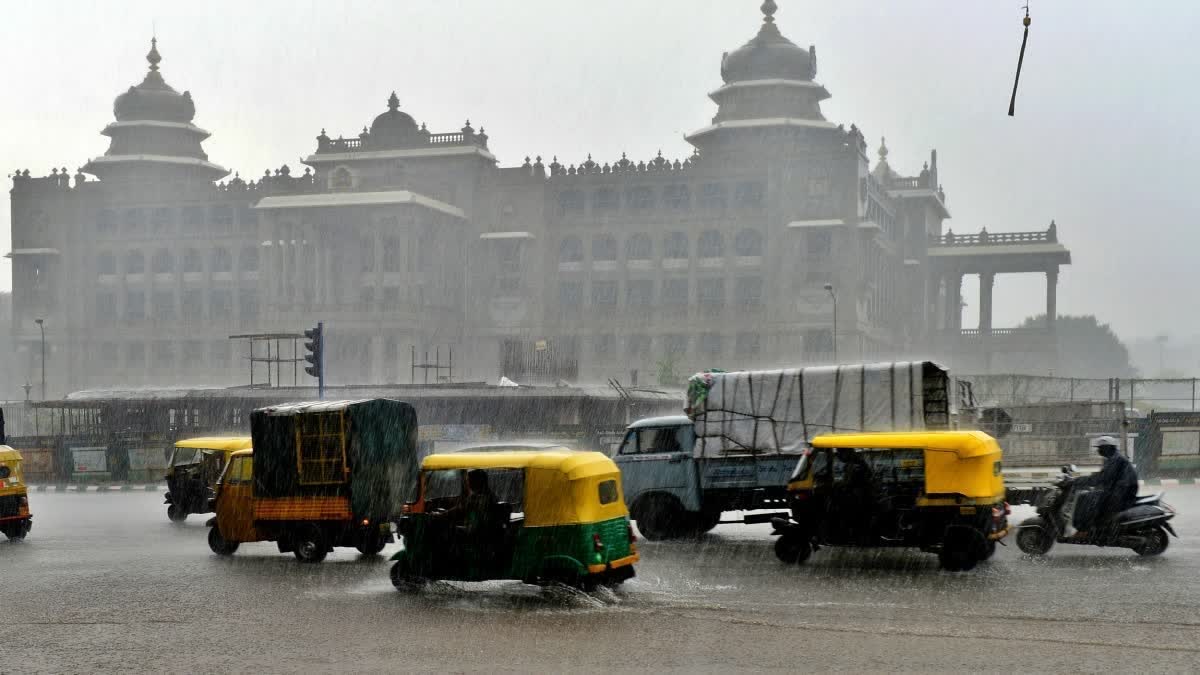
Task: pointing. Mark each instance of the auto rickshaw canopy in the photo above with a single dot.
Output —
(562, 487)
(957, 463)
(226, 444)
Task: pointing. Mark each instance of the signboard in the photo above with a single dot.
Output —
(145, 459)
(455, 432)
(90, 459)
(1022, 428)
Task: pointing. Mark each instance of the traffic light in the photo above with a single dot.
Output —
(315, 346)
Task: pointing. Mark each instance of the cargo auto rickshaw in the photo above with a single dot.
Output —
(15, 519)
(546, 516)
(321, 475)
(192, 473)
(938, 491)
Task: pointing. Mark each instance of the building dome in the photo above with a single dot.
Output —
(154, 99)
(392, 126)
(769, 55)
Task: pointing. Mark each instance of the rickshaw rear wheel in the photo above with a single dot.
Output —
(402, 578)
(176, 513)
(310, 544)
(989, 549)
(960, 550)
(792, 549)
(16, 532)
(1034, 540)
(219, 544)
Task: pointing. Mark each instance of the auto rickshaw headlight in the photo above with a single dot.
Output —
(23, 501)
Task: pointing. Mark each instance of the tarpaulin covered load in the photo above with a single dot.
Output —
(774, 411)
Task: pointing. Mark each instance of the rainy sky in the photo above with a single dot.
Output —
(1101, 143)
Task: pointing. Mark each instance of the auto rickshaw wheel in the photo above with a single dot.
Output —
(219, 544)
(17, 531)
(793, 549)
(960, 550)
(402, 578)
(989, 549)
(371, 544)
(310, 545)
(1034, 540)
(176, 513)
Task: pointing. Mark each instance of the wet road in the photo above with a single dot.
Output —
(106, 583)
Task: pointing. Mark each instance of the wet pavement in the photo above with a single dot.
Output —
(105, 583)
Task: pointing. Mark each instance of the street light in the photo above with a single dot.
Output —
(42, 325)
(829, 287)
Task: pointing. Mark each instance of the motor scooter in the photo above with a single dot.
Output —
(1143, 527)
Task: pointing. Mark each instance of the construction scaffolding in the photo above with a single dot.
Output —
(259, 350)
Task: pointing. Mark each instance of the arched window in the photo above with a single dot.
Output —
(391, 254)
(604, 247)
(676, 245)
(710, 245)
(106, 220)
(249, 259)
(162, 262)
(222, 260)
(191, 261)
(570, 250)
(135, 263)
(341, 179)
(677, 196)
(640, 197)
(570, 200)
(605, 199)
(748, 243)
(639, 247)
(106, 263)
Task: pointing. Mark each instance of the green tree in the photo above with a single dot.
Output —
(1086, 347)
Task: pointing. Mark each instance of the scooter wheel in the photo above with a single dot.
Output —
(1034, 541)
(1156, 543)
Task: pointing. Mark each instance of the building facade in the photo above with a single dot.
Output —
(775, 242)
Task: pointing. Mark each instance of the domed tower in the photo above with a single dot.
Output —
(153, 137)
(768, 83)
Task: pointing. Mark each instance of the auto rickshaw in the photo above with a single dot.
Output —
(192, 473)
(938, 491)
(546, 516)
(15, 519)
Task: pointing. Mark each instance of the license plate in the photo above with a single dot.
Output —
(966, 510)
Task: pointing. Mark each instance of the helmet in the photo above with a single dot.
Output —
(1105, 445)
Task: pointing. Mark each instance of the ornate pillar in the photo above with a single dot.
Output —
(955, 301)
(1051, 298)
(986, 281)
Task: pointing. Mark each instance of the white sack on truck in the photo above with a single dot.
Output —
(779, 411)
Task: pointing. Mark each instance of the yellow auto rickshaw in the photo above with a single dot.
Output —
(15, 519)
(545, 516)
(939, 491)
(192, 472)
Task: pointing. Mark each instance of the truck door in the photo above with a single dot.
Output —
(235, 501)
(659, 459)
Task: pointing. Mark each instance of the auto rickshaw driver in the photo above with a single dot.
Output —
(854, 497)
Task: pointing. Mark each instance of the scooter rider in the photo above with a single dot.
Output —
(1116, 486)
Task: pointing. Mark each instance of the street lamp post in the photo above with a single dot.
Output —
(42, 325)
(829, 287)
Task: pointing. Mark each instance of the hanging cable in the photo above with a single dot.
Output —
(1012, 103)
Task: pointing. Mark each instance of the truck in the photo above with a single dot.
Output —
(321, 474)
(743, 433)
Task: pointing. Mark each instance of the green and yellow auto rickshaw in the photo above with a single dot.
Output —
(192, 473)
(548, 516)
(937, 491)
(15, 519)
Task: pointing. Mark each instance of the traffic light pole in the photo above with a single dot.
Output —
(321, 360)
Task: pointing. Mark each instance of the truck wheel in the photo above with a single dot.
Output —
(176, 513)
(792, 548)
(218, 544)
(706, 521)
(661, 517)
(310, 545)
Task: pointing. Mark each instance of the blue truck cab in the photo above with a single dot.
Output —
(673, 493)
